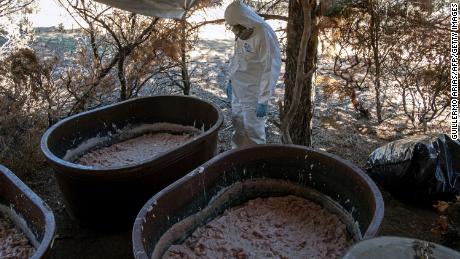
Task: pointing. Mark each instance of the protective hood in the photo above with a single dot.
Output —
(239, 13)
(173, 9)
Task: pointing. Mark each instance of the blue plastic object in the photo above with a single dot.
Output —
(261, 110)
(229, 90)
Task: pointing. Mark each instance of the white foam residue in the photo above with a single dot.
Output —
(72, 154)
(160, 126)
(21, 223)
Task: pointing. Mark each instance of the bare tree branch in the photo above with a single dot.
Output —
(8, 7)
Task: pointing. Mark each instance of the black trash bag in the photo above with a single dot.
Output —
(421, 169)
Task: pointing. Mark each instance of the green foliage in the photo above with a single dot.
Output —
(338, 8)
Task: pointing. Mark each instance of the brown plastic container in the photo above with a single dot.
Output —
(111, 197)
(331, 177)
(28, 207)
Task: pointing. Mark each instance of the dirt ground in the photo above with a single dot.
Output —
(336, 129)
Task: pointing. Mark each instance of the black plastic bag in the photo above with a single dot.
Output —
(423, 168)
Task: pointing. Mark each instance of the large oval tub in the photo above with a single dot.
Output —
(112, 196)
(258, 171)
(27, 211)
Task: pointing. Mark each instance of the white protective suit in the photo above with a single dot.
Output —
(254, 71)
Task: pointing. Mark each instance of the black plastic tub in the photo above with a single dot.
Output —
(258, 171)
(28, 211)
(111, 197)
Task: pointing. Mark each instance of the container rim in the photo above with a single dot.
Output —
(50, 224)
(131, 167)
(381, 242)
(372, 228)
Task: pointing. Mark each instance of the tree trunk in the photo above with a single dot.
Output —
(300, 102)
(183, 63)
(185, 76)
(375, 39)
(121, 75)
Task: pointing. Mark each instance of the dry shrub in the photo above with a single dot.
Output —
(329, 86)
(22, 121)
(20, 139)
(394, 52)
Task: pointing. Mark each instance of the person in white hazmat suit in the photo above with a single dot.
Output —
(254, 71)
